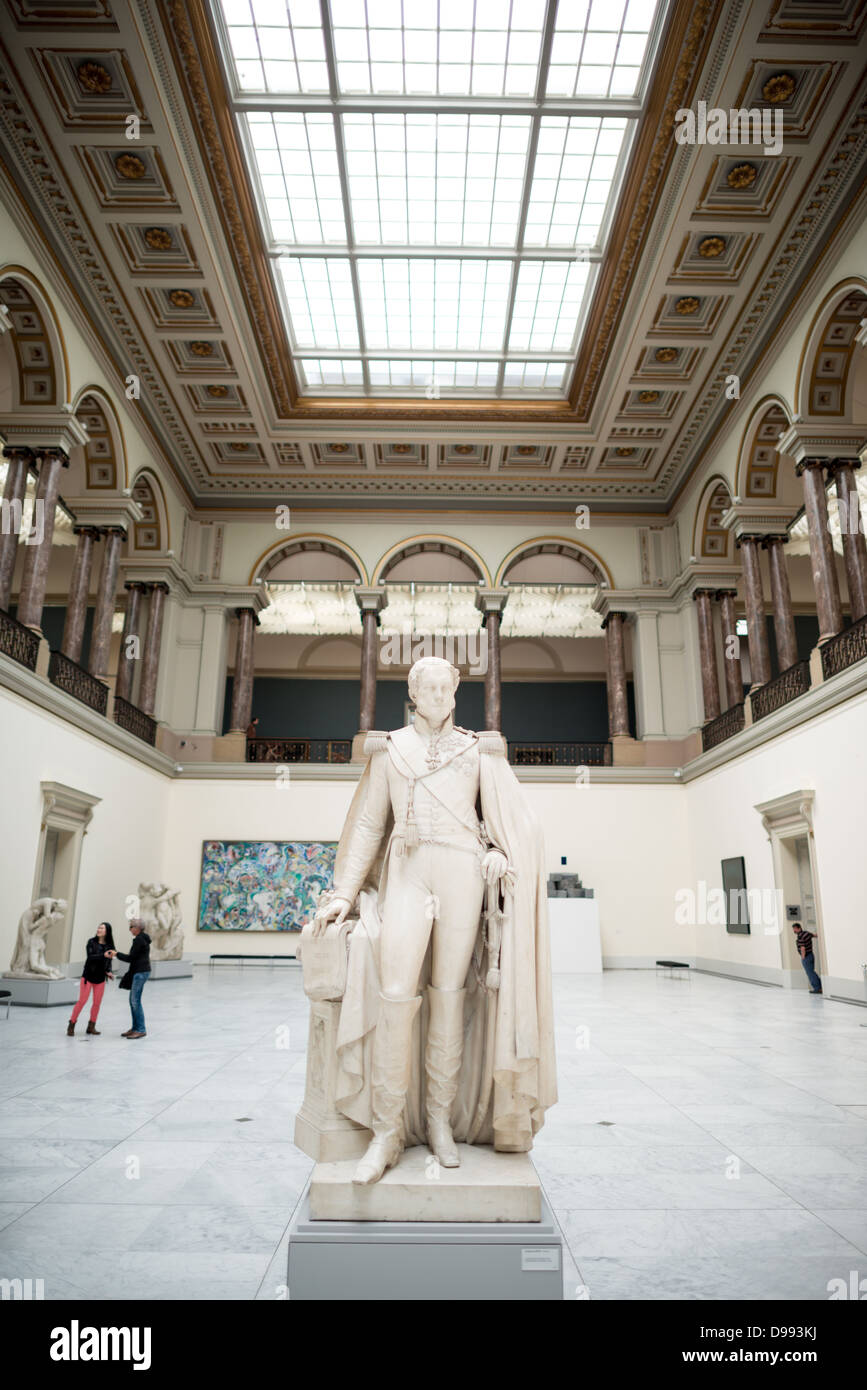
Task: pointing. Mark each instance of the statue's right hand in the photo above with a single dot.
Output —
(334, 911)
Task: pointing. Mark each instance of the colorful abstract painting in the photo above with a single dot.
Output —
(263, 885)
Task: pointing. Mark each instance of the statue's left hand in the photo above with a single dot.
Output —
(494, 866)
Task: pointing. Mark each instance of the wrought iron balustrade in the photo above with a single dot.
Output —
(716, 731)
(299, 750)
(845, 649)
(788, 685)
(523, 754)
(18, 641)
(74, 680)
(134, 720)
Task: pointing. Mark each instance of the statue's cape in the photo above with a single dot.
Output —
(508, 1077)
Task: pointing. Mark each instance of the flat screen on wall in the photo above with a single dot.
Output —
(735, 889)
(263, 885)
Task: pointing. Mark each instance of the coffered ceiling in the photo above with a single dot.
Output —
(696, 269)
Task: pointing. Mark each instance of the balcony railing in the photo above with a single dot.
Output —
(560, 754)
(69, 676)
(788, 685)
(18, 641)
(299, 750)
(845, 649)
(134, 720)
(730, 722)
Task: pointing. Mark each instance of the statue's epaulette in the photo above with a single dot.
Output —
(491, 741)
(375, 742)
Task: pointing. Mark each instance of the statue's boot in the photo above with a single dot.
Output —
(392, 1066)
(442, 1062)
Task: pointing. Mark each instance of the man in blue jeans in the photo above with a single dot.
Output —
(804, 942)
(136, 977)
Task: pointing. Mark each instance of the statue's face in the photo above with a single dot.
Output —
(434, 694)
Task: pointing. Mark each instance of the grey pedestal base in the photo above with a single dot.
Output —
(171, 970)
(40, 994)
(420, 1260)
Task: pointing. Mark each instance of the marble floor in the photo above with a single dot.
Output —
(710, 1141)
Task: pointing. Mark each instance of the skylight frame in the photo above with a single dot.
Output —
(536, 108)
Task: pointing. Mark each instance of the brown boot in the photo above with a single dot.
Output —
(70, 1029)
(92, 1028)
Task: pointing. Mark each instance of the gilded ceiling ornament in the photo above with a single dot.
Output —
(182, 299)
(742, 176)
(624, 453)
(93, 77)
(711, 247)
(526, 450)
(463, 448)
(779, 87)
(217, 392)
(666, 354)
(688, 305)
(158, 239)
(338, 448)
(239, 446)
(129, 166)
(648, 397)
(401, 448)
(202, 349)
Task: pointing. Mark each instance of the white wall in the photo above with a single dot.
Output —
(123, 844)
(824, 756)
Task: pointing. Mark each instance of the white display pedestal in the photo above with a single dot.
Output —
(171, 970)
(40, 994)
(576, 945)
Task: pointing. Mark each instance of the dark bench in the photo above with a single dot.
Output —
(670, 966)
(218, 956)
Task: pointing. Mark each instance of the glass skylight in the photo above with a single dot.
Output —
(436, 179)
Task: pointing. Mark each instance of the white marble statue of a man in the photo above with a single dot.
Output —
(437, 885)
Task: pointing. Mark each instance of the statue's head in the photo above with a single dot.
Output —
(432, 685)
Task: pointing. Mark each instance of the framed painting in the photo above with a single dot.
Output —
(735, 888)
(263, 885)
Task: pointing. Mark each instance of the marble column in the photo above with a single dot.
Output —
(125, 661)
(18, 467)
(79, 589)
(821, 549)
(754, 601)
(150, 665)
(781, 596)
(491, 603)
(854, 546)
(371, 601)
(37, 557)
(615, 667)
(731, 648)
(242, 684)
(100, 640)
(707, 654)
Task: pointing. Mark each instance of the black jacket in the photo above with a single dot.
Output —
(96, 968)
(139, 954)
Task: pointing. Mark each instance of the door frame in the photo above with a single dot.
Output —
(69, 810)
(790, 818)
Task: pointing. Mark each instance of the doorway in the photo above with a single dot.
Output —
(788, 821)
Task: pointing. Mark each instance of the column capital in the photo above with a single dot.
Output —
(138, 584)
(614, 613)
(44, 431)
(490, 601)
(371, 598)
(820, 443)
(19, 451)
(239, 612)
(720, 594)
(837, 464)
(775, 538)
(703, 593)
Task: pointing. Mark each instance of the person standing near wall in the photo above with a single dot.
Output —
(804, 941)
(135, 979)
(94, 976)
